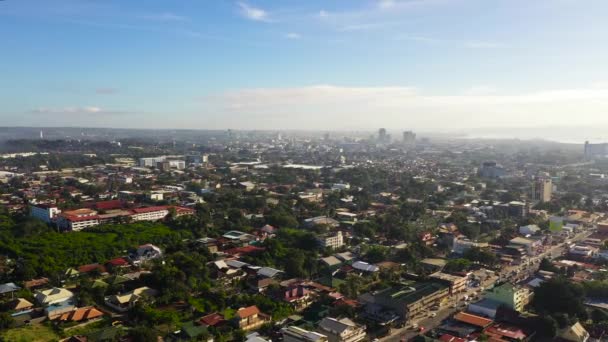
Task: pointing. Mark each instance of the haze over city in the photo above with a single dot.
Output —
(428, 65)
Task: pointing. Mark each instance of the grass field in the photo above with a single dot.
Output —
(33, 333)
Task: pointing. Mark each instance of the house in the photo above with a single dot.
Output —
(250, 318)
(247, 186)
(297, 334)
(574, 333)
(124, 302)
(8, 289)
(191, 331)
(365, 267)
(298, 297)
(148, 252)
(20, 305)
(212, 320)
(35, 283)
(53, 296)
(341, 330)
(505, 332)
(81, 315)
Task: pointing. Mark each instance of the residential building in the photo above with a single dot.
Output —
(56, 301)
(298, 297)
(542, 189)
(296, 334)
(529, 245)
(250, 318)
(124, 302)
(461, 245)
(44, 212)
(457, 283)
(365, 267)
(341, 330)
(148, 251)
(530, 229)
(513, 297)
(583, 251)
(331, 240)
(321, 221)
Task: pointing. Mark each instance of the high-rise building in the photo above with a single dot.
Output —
(409, 137)
(491, 169)
(383, 137)
(542, 189)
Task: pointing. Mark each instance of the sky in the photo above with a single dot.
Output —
(429, 65)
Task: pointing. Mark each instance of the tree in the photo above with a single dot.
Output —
(376, 254)
(143, 334)
(546, 265)
(457, 265)
(6, 321)
(559, 296)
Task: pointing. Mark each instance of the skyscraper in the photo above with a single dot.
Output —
(409, 137)
(383, 137)
(542, 189)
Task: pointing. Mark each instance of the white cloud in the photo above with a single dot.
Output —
(337, 107)
(293, 35)
(253, 13)
(323, 14)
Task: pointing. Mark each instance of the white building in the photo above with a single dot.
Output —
(53, 296)
(297, 334)
(150, 213)
(333, 241)
(341, 330)
(530, 229)
(79, 219)
(44, 212)
(462, 245)
(583, 251)
(148, 251)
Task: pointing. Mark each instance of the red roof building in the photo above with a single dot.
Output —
(474, 320)
(212, 320)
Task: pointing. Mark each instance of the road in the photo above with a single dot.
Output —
(514, 274)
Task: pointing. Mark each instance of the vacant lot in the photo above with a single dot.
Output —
(33, 333)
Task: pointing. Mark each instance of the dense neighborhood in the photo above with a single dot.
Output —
(303, 238)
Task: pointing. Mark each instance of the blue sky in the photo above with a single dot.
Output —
(434, 65)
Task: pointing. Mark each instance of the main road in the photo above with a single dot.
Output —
(515, 274)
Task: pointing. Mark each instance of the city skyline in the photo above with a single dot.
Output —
(313, 65)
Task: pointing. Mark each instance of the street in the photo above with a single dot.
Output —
(514, 274)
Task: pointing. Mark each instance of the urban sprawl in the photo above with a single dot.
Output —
(302, 237)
